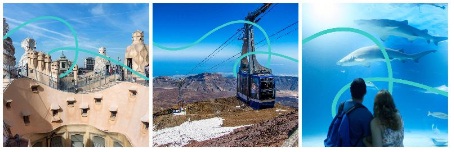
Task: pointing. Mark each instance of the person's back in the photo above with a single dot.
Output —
(393, 138)
(387, 127)
(359, 123)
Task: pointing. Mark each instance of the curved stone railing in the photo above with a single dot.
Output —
(92, 82)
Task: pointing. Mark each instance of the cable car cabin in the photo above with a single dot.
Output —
(256, 90)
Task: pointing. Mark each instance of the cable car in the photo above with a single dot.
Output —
(255, 83)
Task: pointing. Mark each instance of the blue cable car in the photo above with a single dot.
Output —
(255, 83)
(256, 90)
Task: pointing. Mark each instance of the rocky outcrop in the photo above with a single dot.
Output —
(211, 86)
(213, 82)
(286, 83)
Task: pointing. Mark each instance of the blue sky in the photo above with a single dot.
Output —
(97, 25)
(176, 25)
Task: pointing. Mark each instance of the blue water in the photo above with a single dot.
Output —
(322, 78)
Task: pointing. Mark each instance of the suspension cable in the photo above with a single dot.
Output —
(276, 33)
(217, 50)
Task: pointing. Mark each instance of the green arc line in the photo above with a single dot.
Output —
(388, 79)
(73, 32)
(384, 79)
(363, 33)
(102, 56)
(260, 52)
(216, 29)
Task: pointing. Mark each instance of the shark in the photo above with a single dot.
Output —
(385, 28)
(430, 4)
(439, 115)
(439, 5)
(366, 55)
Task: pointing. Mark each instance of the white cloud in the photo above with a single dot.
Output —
(97, 10)
(49, 37)
(37, 29)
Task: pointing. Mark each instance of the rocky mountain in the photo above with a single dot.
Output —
(213, 82)
(287, 83)
(206, 86)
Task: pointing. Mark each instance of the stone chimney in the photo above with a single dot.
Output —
(75, 70)
(137, 54)
(41, 62)
(54, 71)
(47, 64)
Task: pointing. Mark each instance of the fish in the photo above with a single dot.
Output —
(366, 55)
(385, 28)
(370, 84)
(435, 129)
(440, 141)
(439, 115)
(441, 88)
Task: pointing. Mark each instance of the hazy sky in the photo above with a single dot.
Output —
(96, 25)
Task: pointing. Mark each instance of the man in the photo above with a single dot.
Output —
(254, 90)
(359, 118)
(147, 72)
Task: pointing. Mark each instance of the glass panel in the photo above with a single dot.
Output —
(77, 141)
(98, 141)
(117, 144)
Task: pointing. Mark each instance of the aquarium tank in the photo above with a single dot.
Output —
(342, 42)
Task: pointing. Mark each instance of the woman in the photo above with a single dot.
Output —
(387, 127)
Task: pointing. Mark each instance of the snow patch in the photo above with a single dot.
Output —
(200, 130)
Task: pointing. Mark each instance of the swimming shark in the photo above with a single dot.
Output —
(438, 115)
(385, 27)
(430, 4)
(365, 55)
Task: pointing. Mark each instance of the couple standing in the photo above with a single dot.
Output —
(384, 128)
